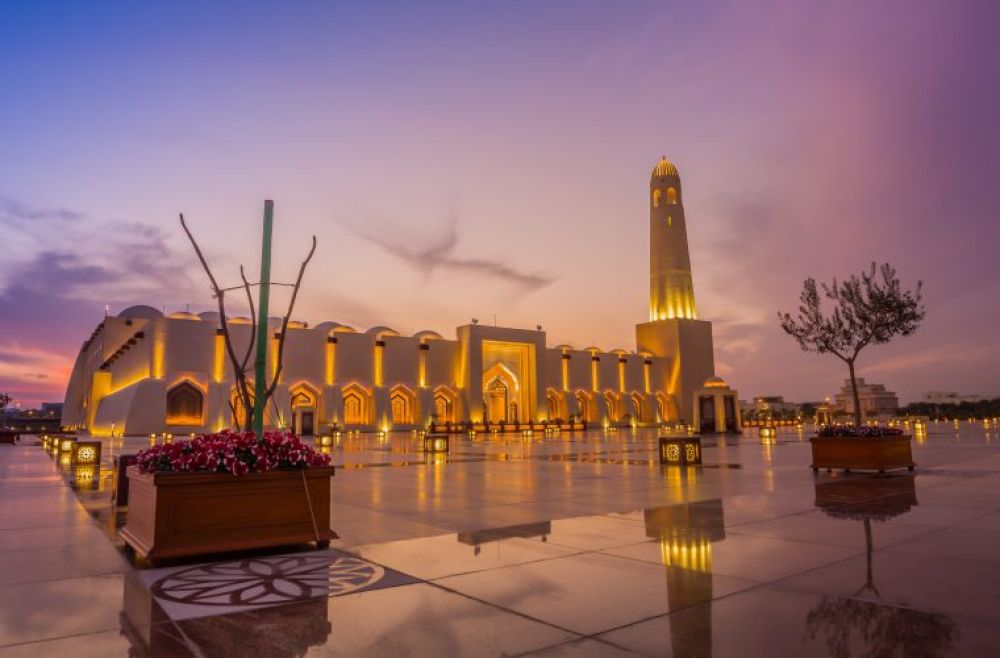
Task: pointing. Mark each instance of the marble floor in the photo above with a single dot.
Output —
(580, 544)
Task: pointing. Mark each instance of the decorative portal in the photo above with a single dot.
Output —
(497, 401)
(268, 580)
(680, 451)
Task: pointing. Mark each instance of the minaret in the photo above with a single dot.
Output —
(673, 330)
(671, 293)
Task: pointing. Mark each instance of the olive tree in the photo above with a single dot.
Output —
(5, 400)
(867, 309)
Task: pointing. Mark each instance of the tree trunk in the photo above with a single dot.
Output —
(854, 392)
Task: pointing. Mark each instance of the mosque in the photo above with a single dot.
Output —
(142, 372)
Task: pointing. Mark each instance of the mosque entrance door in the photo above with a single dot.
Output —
(306, 424)
(730, 406)
(706, 404)
(497, 404)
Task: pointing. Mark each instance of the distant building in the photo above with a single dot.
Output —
(951, 397)
(875, 399)
(774, 404)
(48, 418)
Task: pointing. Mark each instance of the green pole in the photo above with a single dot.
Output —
(260, 365)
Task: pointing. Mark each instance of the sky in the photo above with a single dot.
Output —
(492, 160)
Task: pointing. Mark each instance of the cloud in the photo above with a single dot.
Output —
(72, 265)
(14, 212)
(439, 253)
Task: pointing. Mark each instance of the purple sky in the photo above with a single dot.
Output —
(468, 159)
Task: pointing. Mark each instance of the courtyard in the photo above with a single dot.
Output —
(577, 544)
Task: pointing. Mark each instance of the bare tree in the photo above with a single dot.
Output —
(868, 309)
(244, 391)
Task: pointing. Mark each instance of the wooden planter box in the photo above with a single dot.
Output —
(870, 453)
(178, 514)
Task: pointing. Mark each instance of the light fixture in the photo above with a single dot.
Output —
(680, 451)
(436, 443)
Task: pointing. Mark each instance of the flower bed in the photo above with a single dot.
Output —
(230, 452)
(228, 492)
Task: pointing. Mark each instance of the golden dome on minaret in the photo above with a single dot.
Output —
(664, 168)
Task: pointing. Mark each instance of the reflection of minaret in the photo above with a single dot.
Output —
(671, 293)
(686, 533)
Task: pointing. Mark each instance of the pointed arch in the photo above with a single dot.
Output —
(556, 404)
(238, 413)
(402, 405)
(185, 404)
(612, 402)
(303, 395)
(672, 196)
(304, 402)
(500, 393)
(445, 404)
(665, 408)
(656, 197)
(358, 405)
(587, 405)
(639, 408)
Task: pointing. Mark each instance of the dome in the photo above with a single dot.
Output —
(664, 168)
(183, 315)
(426, 335)
(140, 312)
(381, 330)
(716, 382)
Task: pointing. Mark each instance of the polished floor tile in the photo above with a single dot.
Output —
(766, 622)
(593, 592)
(448, 555)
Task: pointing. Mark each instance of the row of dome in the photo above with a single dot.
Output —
(143, 312)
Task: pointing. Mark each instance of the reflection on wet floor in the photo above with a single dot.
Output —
(584, 546)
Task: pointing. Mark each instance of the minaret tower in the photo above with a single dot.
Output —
(673, 330)
(671, 293)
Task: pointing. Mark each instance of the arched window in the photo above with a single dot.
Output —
(671, 196)
(185, 403)
(656, 198)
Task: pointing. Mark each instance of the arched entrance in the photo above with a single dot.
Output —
(303, 403)
(500, 394)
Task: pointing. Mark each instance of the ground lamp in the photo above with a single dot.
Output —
(435, 443)
(86, 453)
(680, 451)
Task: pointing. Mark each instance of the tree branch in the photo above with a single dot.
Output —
(284, 323)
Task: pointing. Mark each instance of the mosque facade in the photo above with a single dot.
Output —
(144, 372)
